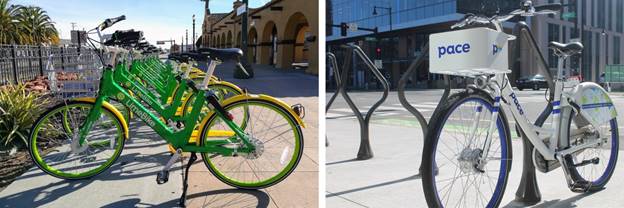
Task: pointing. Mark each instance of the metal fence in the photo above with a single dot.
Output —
(21, 63)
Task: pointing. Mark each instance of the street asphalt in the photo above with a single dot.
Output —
(131, 181)
(389, 178)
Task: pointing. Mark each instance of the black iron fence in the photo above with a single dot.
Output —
(20, 63)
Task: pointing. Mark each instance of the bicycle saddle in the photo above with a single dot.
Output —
(224, 53)
(567, 49)
(178, 57)
(124, 37)
(200, 57)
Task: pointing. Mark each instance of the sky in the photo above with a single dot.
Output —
(158, 19)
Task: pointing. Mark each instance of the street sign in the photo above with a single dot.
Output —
(76, 35)
(370, 39)
(160, 42)
(241, 9)
(378, 64)
(614, 73)
(353, 27)
(568, 15)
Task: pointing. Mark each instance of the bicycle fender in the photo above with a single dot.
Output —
(116, 113)
(594, 103)
(260, 97)
(229, 84)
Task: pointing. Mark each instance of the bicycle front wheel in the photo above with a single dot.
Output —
(274, 132)
(456, 143)
(52, 145)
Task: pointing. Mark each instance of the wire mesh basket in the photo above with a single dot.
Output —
(75, 75)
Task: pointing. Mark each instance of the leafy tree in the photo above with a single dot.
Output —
(9, 27)
(37, 25)
(26, 25)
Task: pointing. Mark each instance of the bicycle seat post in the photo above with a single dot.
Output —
(211, 68)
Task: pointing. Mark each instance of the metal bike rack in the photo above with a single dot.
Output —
(365, 152)
(401, 93)
(528, 191)
(331, 59)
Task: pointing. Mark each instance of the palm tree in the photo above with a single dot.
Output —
(9, 28)
(37, 25)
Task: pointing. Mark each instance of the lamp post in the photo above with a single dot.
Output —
(193, 32)
(244, 25)
(386, 8)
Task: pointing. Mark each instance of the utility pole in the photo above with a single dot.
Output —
(186, 38)
(193, 42)
(245, 24)
(73, 24)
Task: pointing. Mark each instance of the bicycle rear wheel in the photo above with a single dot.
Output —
(455, 144)
(606, 153)
(276, 135)
(54, 150)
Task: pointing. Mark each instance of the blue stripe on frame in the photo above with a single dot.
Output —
(597, 105)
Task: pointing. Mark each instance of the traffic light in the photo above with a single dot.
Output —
(378, 50)
(343, 29)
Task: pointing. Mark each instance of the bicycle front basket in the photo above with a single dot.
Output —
(469, 52)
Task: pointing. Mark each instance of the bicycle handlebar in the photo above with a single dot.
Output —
(111, 21)
(526, 9)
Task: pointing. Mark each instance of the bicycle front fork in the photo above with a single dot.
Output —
(92, 117)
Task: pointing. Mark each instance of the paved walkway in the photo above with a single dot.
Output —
(389, 179)
(130, 182)
(300, 189)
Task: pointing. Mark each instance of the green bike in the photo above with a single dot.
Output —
(81, 138)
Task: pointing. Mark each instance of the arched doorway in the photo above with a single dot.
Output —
(229, 40)
(296, 33)
(238, 40)
(222, 45)
(253, 45)
(269, 44)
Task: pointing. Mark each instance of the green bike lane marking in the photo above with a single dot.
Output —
(412, 123)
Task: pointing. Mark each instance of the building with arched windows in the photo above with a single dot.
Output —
(282, 33)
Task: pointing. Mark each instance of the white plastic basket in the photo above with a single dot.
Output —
(469, 52)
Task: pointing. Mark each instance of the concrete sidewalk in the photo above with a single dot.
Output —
(388, 179)
(131, 181)
(300, 189)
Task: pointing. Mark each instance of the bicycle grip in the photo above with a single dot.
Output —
(552, 7)
(191, 84)
(111, 21)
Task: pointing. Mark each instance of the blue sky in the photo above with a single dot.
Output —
(158, 19)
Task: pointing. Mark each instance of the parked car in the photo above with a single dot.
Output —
(534, 82)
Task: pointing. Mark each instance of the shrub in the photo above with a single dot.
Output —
(18, 111)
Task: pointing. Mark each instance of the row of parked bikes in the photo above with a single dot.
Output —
(467, 153)
(247, 141)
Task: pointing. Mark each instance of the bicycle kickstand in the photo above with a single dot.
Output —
(185, 178)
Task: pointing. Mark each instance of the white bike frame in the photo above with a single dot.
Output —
(553, 134)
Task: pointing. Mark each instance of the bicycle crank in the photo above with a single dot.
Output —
(163, 175)
(575, 185)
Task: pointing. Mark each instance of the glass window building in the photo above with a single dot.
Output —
(404, 27)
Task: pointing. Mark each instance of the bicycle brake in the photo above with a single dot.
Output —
(163, 175)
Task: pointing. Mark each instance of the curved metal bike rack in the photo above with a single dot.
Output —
(331, 59)
(365, 152)
(401, 93)
(528, 191)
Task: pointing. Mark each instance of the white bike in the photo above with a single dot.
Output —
(470, 140)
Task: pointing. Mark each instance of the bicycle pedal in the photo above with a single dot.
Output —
(594, 161)
(580, 186)
(162, 177)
